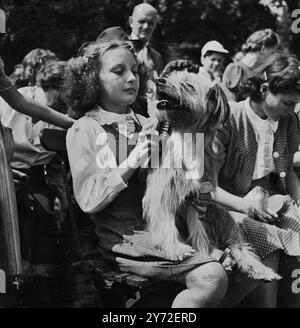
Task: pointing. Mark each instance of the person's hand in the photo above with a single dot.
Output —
(254, 211)
(200, 204)
(147, 146)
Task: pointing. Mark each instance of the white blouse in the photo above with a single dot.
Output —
(28, 151)
(96, 178)
(264, 130)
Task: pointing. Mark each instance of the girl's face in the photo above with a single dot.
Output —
(280, 104)
(119, 79)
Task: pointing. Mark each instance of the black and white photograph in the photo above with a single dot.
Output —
(149, 156)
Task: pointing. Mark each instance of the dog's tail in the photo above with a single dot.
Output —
(198, 237)
(249, 263)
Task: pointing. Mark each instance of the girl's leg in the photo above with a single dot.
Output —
(288, 295)
(265, 295)
(205, 287)
(239, 287)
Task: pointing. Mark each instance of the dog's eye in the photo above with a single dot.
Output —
(189, 87)
(162, 105)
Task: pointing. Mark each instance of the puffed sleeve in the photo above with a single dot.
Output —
(233, 76)
(96, 178)
(5, 82)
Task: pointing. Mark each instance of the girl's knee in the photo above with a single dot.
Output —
(210, 280)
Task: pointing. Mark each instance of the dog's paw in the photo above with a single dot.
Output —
(263, 272)
(182, 252)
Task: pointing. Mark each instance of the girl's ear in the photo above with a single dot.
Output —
(264, 89)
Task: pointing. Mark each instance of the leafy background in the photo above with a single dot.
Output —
(185, 25)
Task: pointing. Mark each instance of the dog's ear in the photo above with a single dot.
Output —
(217, 107)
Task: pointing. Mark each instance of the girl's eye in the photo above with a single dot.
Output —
(288, 103)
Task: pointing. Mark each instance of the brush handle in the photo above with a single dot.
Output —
(164, 129)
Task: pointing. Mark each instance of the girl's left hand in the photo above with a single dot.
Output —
(151, 126)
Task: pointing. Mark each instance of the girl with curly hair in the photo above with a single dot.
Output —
(103, 85)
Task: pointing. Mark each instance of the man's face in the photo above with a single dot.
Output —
(143, 24)
(213, 62)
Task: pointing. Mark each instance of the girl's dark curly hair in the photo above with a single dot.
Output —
(263, 38)
(52, 76)
(82, 75)
(34, 60)
(281, 71)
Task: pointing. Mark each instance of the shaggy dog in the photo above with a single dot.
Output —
(192, 109)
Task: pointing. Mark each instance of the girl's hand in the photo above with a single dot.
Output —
(254, 211)
(147, 146)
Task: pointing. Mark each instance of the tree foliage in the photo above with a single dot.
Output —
(185, 25)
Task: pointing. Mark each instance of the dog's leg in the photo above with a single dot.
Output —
(197, 235)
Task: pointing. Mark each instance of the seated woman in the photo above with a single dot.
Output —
(256, 148)
(28, 106)
(102, 142)
(30, 157)
(8, 208)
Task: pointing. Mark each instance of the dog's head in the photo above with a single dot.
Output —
(189, 104)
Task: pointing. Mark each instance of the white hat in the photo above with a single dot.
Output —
(213, 46)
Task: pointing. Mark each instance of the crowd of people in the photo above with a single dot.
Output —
(109, 90)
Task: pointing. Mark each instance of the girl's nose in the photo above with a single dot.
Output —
(131, 76)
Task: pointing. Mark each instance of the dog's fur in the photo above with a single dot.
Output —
(199, 109)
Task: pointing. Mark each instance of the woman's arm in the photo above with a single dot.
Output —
(229, 200)
(251, 208)
(21, 104)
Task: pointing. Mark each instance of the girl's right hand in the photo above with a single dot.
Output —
(254, 211)
(147, 145)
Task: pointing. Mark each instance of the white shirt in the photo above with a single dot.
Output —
(264, 132)
(96, 178)
(28, 151)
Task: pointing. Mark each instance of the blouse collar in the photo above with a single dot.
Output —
(105, 117)
(258, 121)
